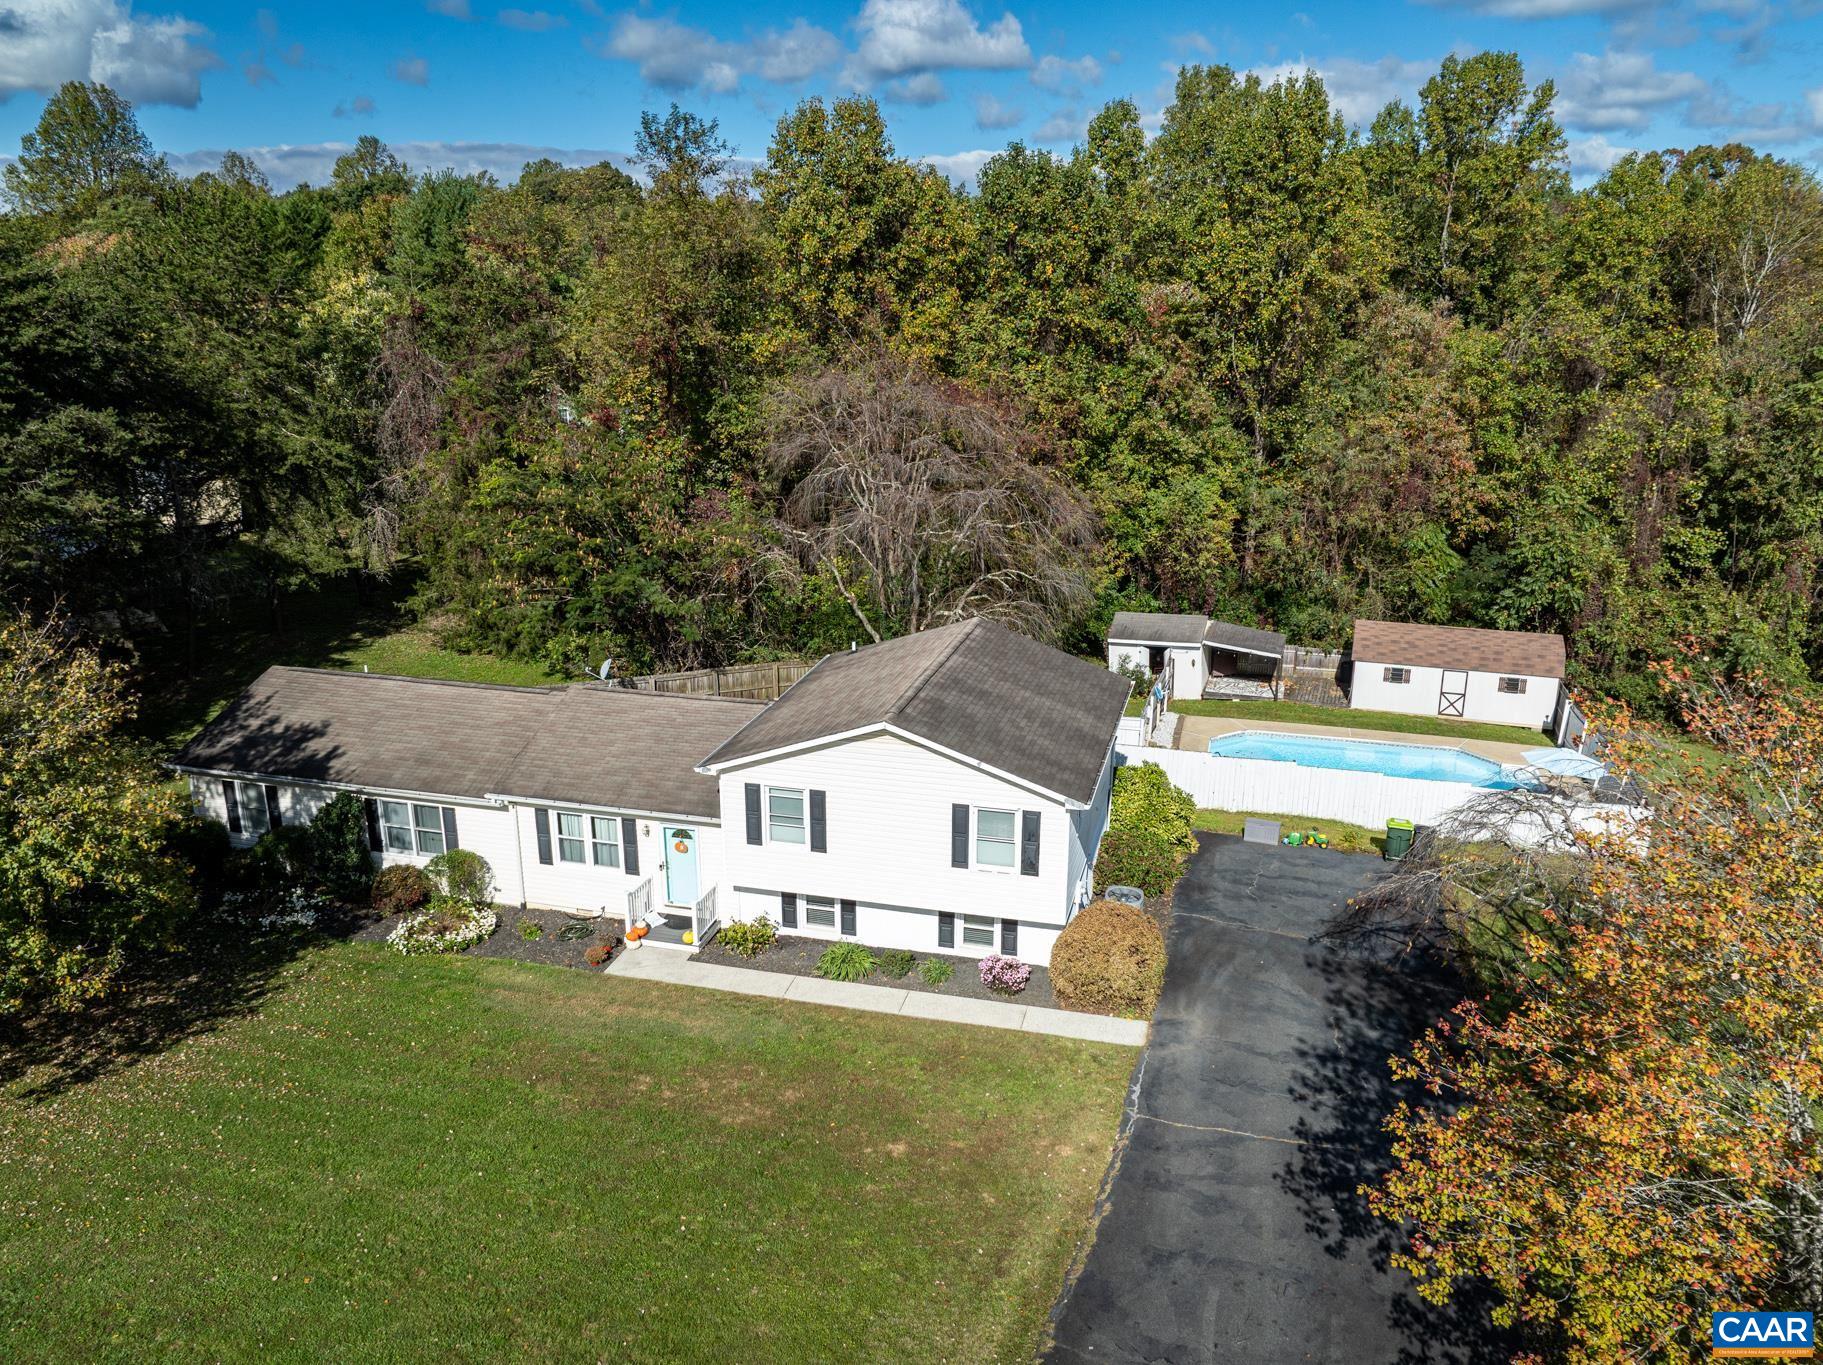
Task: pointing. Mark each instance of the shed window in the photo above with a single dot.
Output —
(994, 840)
(977, 932)
(820, 911)
(1396, 675)
(785, 815)
(408, 828)
(1516, 686)
(604, 846)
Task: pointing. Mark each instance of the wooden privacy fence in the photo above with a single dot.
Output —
(750, 682)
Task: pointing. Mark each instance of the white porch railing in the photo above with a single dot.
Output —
(639, 902)
(706, 921)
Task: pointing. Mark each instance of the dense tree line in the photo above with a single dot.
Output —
(1256, 365)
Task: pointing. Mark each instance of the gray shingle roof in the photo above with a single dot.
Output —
(1157, 628)
(975, 687)
(1483, 651)
(1227, 635)
(588, 743)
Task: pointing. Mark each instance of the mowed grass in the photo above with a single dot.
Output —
(1303, 713)
(1344, 838)
(471, 1159)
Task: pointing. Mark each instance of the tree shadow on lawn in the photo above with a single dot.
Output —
(1376, 1008)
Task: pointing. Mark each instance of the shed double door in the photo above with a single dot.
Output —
(1454, 693)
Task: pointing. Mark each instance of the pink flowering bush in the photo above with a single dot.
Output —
(1006, 974)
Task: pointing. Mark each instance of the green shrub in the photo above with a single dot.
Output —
(896, 964)
(204, 847)
(279, 861)
(338, 848)
(530, 929)
(1137, 858)
(463, 874)
(1145, 802)
(934, 971)
(845, 962)
(1110, 958)
(748, 938)
(400, 889)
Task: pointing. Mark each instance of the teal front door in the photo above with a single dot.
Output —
(680, 867)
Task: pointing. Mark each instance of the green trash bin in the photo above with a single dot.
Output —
(1398, 838)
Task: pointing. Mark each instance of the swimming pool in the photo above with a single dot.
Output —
(1432, 763)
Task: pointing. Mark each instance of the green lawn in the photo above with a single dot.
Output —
(187, 683)
(1303, 713)
(470, 1159)
(1343, 837)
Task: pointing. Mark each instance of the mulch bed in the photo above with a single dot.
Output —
(561, 940)
(798, 957)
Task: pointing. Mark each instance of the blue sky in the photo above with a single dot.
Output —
(474, 84)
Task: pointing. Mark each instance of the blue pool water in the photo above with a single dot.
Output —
(1432, 763)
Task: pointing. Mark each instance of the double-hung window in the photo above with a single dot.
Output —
(785, 815)
(820, 911)
(410, 828)
(570, 843)
(253, 808)
(994, 840)
(1514, 686)
(604, 841)
(977, 932)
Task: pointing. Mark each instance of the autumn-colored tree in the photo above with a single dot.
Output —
(86, 871)
(1625, 1133)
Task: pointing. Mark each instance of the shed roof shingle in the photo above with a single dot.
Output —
(975, 687)
(1251, 639)
(1157, 628)
(587, 743)
(1530, 653)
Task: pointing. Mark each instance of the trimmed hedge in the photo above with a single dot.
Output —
(1110, 958)
(1137, 858)
(338, 848)
(1144, 800)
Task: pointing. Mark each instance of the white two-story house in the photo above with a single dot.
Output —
(945, 792)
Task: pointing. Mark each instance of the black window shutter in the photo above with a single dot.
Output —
(273, 817)
(848, 918)
(788, 909)
(541, 821)
(1009, 938)
(234, 808)
(958, 836)
(946, 929)
(1029, 821)
(629, 844)
(753, 812)
(374, 839)
(819, 823)
(449, 827)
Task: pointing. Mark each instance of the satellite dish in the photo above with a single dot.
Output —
(607, 668)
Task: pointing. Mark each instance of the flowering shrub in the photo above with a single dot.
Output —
(599, 953)
(294, 909)
(446, 925)
(1005, 974)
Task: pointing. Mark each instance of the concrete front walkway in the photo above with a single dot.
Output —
(1196, 732)
(662, 964)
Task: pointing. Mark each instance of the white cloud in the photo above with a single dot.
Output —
(1060, 75)
(921, 89)
(902, 37)
(289, 165)
(1547, 9)
(1193, 43)
(674, 56)
(149, 60)
(361, 106)
(961, 167)
(411, 71)
(268, 21)
(1814, 99)
(531, 21)
(1065, 125)
(991, 114)
(1591, 156)
(1357, 90)
(450, 9)
(1621, 91)
(258, 73)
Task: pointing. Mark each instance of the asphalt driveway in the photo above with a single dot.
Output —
(1232, 1230)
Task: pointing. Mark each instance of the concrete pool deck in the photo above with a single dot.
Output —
(1195, 732)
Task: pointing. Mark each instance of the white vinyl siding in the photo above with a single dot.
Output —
(1488, 697)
